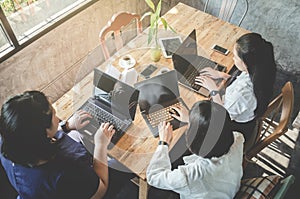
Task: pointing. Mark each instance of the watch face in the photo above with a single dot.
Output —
(62, 123)
(213, 93)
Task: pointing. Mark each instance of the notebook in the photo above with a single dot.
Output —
(113, 101)
(157, 97)
(188, 64)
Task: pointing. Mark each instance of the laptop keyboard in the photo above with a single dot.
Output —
(102, 116)
(162, 115)
(191, 76)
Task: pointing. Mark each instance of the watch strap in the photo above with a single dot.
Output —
(65, 126)
(162, 143)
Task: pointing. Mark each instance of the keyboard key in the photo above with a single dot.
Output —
(101, 116)
(161, 115)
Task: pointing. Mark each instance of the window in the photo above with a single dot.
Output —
(23, 21)
(5, 43)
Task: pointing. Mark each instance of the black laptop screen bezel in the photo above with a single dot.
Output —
(158, 91)
(124, 101)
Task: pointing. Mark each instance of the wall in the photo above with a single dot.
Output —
(51, 63)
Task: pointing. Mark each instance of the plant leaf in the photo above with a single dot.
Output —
(152, 20)
(171, 28)
(164, 23)
(158, 8)
(146, 14)
(150, 35)
(150, 4)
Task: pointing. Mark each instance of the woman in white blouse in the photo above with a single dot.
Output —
(214, 169)
(248, 96)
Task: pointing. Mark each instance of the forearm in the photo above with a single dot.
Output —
(160, 163)
(159, 173)
(101, 168)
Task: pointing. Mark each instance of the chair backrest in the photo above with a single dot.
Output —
(285, 184)
(227, 8)
(268, 129)
(271, 186)
(114, 25)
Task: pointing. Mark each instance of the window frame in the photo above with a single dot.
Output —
(22, 43)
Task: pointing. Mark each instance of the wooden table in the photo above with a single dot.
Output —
(136, 147)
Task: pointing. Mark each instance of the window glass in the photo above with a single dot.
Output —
(5, 43)
(28, 17)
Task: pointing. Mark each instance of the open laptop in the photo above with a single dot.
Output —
(188, 64)
(157, 97)
(113, 101)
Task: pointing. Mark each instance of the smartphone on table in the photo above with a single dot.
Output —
(220, 49)
(148, 71)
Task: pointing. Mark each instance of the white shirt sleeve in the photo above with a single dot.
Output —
(240, 100)
(160, 175)
(237, 103)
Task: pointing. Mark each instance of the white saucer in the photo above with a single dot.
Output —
(124, 65)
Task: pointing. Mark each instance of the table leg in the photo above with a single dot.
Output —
(143, 189)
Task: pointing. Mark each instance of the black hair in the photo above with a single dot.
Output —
(258, 56)
(200, 118)
(23, 123)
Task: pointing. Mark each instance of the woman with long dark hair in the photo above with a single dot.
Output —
(214, 166)
(247, 97)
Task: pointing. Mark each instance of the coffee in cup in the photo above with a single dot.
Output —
(126, 60)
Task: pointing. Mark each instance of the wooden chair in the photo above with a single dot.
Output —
(271, 186)
(114, 25)
(268, 129)
(227, 8)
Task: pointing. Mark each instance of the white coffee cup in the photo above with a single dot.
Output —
(127, 61)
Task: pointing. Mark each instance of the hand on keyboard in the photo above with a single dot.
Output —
(79, 120)
(104, 134)
(206, 82)
(182, 113)
(214, 74)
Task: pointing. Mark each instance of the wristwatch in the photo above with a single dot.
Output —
(64, 126)
(213, 93)
(162, 143)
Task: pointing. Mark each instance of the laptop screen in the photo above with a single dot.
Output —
(157, 92)
(120, 97)
(186, 54)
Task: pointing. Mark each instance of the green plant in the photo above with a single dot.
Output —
(155, 19)
(10, 6)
